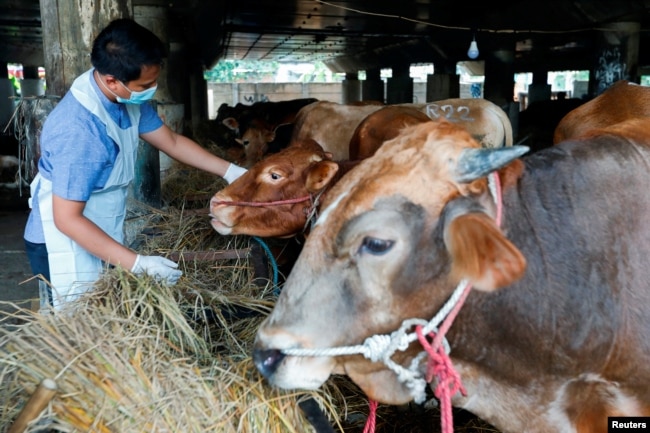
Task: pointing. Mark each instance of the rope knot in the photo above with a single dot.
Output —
(375, 347)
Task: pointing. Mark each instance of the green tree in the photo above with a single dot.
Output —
(252, 71)
(228, 71)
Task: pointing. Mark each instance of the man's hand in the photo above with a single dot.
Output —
(158, 267)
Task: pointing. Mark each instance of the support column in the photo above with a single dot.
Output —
(539, 89)
(617, 56)
(400, 85)
(31, 84)
(177, 66)
(6, 101)
(442, 86)
(500, 73)
(372, 88)
(351, 87)
(199, 101)
(499, 85)
(155, 19)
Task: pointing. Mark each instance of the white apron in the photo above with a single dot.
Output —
(72, 269)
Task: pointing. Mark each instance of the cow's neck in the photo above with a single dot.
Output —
(317, 197)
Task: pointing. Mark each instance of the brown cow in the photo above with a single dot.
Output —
(552, 338)
(278, 195)
(381, 126)
(255, 125)
(301, 170)
(622, 101)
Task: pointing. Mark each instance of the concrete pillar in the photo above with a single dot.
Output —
(442, 86)
(145, 188)
(351, 88)
(32, 87)
(6, 100)
(174, 117)
(617, 56)
(31, 84)
(146, 183)
(372, 88)
(500, 75)
(539, 89)
(198, 108)
(177, 66)
(155, 19)
(399, 87)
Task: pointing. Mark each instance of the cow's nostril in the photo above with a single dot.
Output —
(267, 361)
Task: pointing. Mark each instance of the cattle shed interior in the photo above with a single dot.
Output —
(610, 39)
(349, 36)
(52, 39)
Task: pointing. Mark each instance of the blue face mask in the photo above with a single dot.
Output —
(137, 97)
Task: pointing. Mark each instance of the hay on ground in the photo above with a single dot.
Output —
(126, 358)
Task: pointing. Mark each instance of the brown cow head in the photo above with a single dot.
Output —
(262, 202)
(255, 141)
(397, 234)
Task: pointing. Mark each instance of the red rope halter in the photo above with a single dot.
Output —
(262, 203)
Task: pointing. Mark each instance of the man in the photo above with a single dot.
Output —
(88, 149)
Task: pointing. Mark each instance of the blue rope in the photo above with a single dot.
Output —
(274, 264)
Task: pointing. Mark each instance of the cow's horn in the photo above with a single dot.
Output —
(476, 163)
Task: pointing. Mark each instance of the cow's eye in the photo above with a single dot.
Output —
(375, 246)
(275, 176)
(245, 142)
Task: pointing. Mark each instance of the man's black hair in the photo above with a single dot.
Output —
(123, 47)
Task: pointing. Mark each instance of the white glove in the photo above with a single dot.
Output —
(158, 267)
(233, 172)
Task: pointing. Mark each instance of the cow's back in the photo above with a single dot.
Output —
(381, 126)
(594, 196)
(331, 125)
(483, 119)
(622, 101)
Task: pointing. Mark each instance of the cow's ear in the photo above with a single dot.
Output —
(231, 123)
(320, 175)
(481, 253)
(269, 136)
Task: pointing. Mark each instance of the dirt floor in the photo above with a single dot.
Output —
(14, 266)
